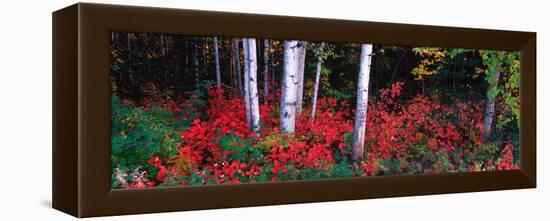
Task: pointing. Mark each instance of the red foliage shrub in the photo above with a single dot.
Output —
(400, 134)
(506, 160)
(392, 127)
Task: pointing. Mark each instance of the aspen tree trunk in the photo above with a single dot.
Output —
(217, 61)
(145, 46)
(247, 82)
(163, 52)
(187, 61)
(236, 56)
(289, 87)
(358, 145)
(130, 69)
(232, 67)
(396, 68)
(252, 82)
(274, 80)
(129, 39)
(489, 114)
(254, 98)
(301, 66)
(454, 76)
(315, 90)
(114, 38)
(162, 45)
(266, 70)
(204, 58)
(196, 61)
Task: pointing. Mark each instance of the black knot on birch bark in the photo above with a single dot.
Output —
(290, 103)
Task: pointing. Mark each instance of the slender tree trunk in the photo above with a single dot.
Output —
(315, 90)
(454, 75)
(274, 80)
(196, 62)
(205, 51)
(254, 97)
(358, 145)
(301, 67)
(289, 87)
(396, 68)
(145, 43)
(233, 69)
(236, 56)
(489, 114)
(266, 70)
(217, 61)
(114, 38)
(130, 68)
(246, 81)
(163, 53)
(203, 47)
(249, 45)
(129, 39)
(162, 45)
(186, 62)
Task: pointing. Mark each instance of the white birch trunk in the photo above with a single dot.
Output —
(251, 84)
(358, 145)
(289, 85)
(266, 70)
(315, 90)
(217, 61)
(301, 66)
(489, 114)
(246, 82)
(253, 87)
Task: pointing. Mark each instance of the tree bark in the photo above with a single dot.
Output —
(489, 114)
(246, 82)
(301, 67)
(273, 78)
(266, 70)
(289, 85)
(162, 45)
(114, 39)
(129, 42)
(196, 62)
(358, 145)
(205, 60)
(188, 52)
(165, 79)
(217, 61)
(249, 45)
(237, 61)
(454, 73)
(315, 90)
(396, 68)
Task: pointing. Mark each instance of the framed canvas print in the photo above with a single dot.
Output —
(196, 110)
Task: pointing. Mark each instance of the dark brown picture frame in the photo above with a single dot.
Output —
(81, 109)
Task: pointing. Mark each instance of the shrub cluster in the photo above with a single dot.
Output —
(205, 140)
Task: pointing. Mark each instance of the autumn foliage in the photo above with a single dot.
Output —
(205, 139)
